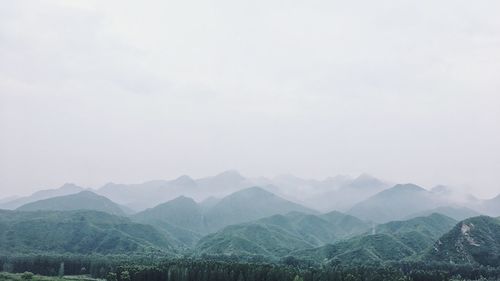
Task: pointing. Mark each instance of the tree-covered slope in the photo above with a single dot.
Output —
(85, 200)
(432, 226)
(279, 235)
(392, 241)
(76, 232)
(345, 225)
(360, 249)
(474, 240)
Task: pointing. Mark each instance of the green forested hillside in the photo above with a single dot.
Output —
(392, 241)
(360, 249)
(76, 232)
(475, 240)
(432, 226)
(279, 235)
(345, 225)
(85, 200)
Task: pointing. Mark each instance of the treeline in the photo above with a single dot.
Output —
(59, 265)
(191, 270)
(98, 266)
(127, 268)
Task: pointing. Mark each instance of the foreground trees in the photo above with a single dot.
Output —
(120, 268)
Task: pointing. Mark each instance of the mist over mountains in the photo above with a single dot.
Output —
(367, 220)
(364, 196)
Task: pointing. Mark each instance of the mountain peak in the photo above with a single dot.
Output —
(230, 174)
(184, 180)
(366, 181)
(88, 193)
(84, 200)
(70, 186)
(254, 191)
(183, 199)
(407, 187)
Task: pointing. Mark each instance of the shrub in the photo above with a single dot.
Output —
(27, 275)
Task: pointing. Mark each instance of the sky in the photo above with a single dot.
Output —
(128, 91)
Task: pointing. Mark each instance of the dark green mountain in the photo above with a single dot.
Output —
(279, 235)
(395, 203)
(345, 225)
(392, 241)
(85, 200)
(418, 233)
(181, 217)
(247, 205)
(432, 226)
(360, 249)
(76, 232)
(474, 240)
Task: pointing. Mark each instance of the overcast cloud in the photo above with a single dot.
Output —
(128, 91)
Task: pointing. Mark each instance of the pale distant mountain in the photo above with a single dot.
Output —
(66, 189)
(345, 193)
(452, 195)
(8, 199)
(365, 182)
(490, 207)
(395, 203)
(247, 205)
(223, 181)
(209, 203)
(455, 212)
(85, 200)
(149, 194)
(334, 193)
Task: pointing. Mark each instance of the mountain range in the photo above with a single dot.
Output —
(15, 203)
(357, 196)
(84, 200)
(254, 222)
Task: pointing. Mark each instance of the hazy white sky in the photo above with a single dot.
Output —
(128, 91)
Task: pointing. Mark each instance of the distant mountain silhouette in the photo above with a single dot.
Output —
(85, 200)
(66, 189)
